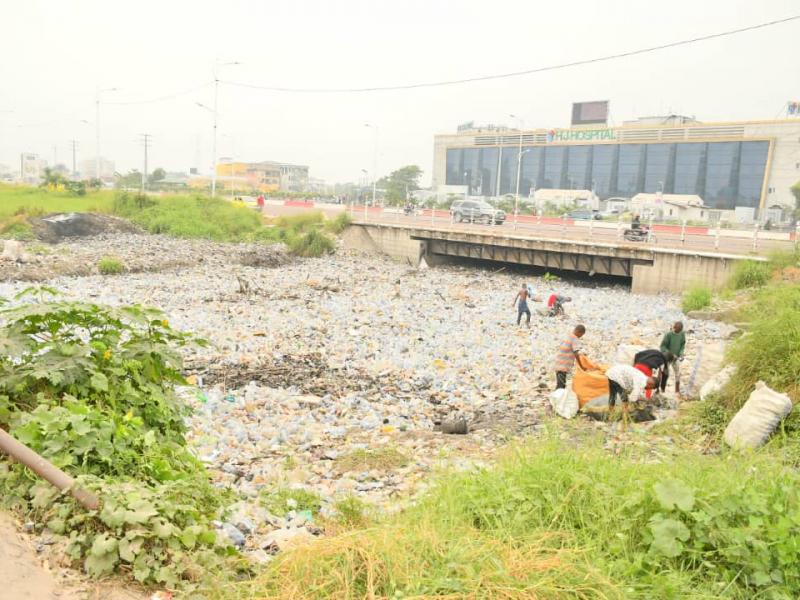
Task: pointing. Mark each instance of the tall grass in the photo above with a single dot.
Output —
(553, 521)
(750, 274)
(771, 349)
(695, 298)
(16, 200)
(193, 217)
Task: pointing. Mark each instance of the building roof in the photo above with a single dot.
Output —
(681, 200)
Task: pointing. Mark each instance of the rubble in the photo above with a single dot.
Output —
(312, 362)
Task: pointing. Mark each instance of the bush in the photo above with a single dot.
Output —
(282, 500)
(339, 224)
(190, 217)
(92, 389)
(313, 243)
(696, 298)
(110, 266)
(770, 351)
(750, 274)
(17, 229)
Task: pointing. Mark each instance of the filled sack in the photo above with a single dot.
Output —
(758, 418)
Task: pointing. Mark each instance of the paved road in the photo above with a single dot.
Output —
(581, 232)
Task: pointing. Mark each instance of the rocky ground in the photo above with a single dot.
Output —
(335, 374)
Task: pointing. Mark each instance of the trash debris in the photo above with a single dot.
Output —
(564, 403)
(758, 418)
(717, 382)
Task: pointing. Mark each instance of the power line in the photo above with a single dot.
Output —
(515, 73)
(163, 98)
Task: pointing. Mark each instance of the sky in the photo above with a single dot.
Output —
(56, 54)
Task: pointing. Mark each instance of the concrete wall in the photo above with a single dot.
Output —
(676, 272)
(394, 242)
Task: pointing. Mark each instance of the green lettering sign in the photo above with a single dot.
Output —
(582, 135)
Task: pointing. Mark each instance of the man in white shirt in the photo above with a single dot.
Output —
(628, 383)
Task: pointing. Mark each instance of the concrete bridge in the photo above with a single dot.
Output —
(651, 270)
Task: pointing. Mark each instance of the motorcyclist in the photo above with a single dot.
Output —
(636, 224)
(409, 208)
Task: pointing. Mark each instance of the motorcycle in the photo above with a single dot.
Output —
(409, 210)
(639, 234)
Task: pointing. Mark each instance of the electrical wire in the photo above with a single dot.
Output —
(513, 73)
(162, 98)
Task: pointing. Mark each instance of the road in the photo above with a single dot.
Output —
(554, 228)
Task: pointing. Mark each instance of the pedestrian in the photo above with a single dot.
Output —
(521, 300)
(260, 201)
(653, 362)
(674, 343)
(565, 358)
(555, 305)
(627, 382)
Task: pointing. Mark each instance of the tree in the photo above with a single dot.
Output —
(796, 193)
(52, 178)
(400, 183)
(157, 175)
(132, 180)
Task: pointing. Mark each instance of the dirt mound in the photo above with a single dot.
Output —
(56, 227)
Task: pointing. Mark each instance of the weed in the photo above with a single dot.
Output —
(382, 459)
(551, 277)
(110, 266)
(339, 224)
(695, 298)
(553, 521)
(282, 500)
(770, 351)
(310, 244)
(17, 229)
(351, 512)
(750, 274)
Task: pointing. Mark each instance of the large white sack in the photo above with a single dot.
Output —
(758, 418)
(12, 250)
(717, 382)
(625, 354)
(564, 403)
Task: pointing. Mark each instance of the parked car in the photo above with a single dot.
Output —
(583, 215)
(476, 211)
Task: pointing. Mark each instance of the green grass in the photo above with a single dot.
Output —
(16, 228)
(282, 500)
(695, 298)
(17, 200)
(192, 217)
(109, 265)
(554, 521)
(183, 216)
(750, 274)
(383, 459)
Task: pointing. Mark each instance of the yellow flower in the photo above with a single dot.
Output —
(107, 354)
(165, 323)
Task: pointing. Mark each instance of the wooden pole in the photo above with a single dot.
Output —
(46, 470)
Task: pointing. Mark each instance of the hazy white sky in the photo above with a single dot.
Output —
(55, 53)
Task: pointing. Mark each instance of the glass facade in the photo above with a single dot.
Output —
(724, 174)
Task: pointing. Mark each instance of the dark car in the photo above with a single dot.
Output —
(476, 211)
(583, 215)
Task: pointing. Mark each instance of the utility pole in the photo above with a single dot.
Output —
(74, 144)
(145, 139)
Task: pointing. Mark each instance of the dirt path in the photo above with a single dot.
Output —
(24, 575)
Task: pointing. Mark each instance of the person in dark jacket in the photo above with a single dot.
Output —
(674, 343)
(657, 362)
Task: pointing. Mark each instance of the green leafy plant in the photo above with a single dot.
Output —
(110, 266)
(695, 298)
(284, 499)
(550, 277)
(92, 389)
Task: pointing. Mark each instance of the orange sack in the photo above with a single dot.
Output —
(590, 382)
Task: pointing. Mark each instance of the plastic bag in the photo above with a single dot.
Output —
(717, 382)
(564, 403)
(758, 418)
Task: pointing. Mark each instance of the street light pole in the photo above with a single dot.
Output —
(519, 171)
(374, 160)
(214, 139)
(97, 129)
